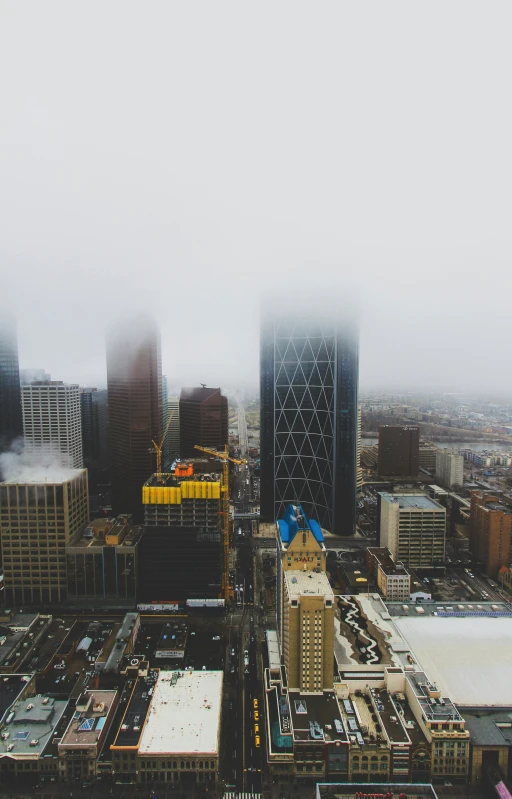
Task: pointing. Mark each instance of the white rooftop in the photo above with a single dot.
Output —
(470, 658)
(307, 582)
(185, 714)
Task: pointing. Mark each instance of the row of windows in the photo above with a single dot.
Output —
(173, 764)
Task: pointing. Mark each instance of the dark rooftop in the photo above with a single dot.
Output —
(133, 721)
(198, 394)
(314, 717)
(11, 685)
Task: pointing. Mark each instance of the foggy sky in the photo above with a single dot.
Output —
(178, 157)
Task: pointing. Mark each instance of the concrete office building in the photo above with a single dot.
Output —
(134, 378)
(427, 457)
(308, 631)
(38, 518)
(309, 363)
(203, 415)
(398, 450)
(393, 579)
(52, 423)
(490, 532)
(102, 562)
(413, 528)
(11, 423)
(94, 413)
(449, 468)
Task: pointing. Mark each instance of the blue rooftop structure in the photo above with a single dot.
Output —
(295, 519)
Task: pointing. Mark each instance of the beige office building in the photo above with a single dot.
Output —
(413, 528)
(308, 631)
(38, 518)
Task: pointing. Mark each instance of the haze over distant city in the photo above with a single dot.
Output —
(228, 149)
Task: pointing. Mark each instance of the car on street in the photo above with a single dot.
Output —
(257, 741)
(255, 704)
(256, 715)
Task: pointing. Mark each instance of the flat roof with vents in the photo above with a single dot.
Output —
(185, 714)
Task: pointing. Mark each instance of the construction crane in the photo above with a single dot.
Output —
(226, 590)
(158, 448)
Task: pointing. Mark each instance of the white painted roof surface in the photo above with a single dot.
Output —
(184, 717)
(307, 582)
(469, 658)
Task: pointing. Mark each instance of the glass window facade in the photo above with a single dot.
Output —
(309, 385)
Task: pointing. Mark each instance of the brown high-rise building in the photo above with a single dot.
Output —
(134, 375)
(490, 532)
(203, 420)
(399, 450)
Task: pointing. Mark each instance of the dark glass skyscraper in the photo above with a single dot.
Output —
(11, 420)
(134, 379)
(309, 381)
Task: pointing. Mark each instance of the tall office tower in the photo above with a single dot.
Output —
(490, 532)
(40, 512)
(93, 408)
(203, 420)
(165, 419)
(173, 434)
(308, 631)
(28, 376)
(399, 447)
(134, 378)
(309, 426)
(359, 428)
(52, 423)
(300, 545)
(449, 468)
(413, 528)
(11, 422)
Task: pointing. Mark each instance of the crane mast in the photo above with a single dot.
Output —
(226, 590)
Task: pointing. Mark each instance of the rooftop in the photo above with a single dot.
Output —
(198, 394)
(31, 727)
(295, 519)
(134, 719)
(11, 686)
(468, 656)
(307, 582)
(119, 532)
(42, 475)
(185, 714)
(412, 501)
(316, 717)
(86, 726)
(170, 480)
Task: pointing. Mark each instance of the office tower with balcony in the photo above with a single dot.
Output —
(134, 379)
(203, 419)
(309, 413)
(52, 423)
(399, 447)
(11, 421)
(39, 515)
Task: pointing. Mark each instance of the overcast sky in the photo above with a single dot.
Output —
(181, 156)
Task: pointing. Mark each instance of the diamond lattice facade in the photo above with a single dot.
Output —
(309, 421)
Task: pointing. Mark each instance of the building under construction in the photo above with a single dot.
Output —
(181, 554)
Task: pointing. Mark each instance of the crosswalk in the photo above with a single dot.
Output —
(241, 795)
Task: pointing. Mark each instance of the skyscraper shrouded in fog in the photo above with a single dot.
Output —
(11, 421)
(309, 358)
(134, 379)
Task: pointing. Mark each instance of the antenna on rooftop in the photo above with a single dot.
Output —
(203, 385)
